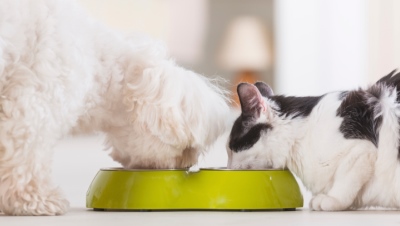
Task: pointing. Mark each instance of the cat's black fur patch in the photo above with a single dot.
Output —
(375, 91)
(295, 106)
(358, 110)
(343, 94)
(245, 133)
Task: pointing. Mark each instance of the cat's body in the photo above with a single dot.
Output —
(344, 146)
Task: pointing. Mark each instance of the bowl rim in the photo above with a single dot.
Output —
(121, 169)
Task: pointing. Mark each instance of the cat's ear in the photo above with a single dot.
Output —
(250, 98)
(265, 90)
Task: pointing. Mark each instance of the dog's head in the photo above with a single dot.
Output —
(172, 116)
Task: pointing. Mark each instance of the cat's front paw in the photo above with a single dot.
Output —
(323, 202)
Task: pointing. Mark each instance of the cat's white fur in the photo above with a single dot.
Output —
(60, 71)
(341, 173)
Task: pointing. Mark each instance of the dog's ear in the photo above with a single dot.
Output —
(250, 98)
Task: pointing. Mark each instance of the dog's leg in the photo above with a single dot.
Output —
(27, 133)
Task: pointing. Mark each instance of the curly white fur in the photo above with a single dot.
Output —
(61, 72)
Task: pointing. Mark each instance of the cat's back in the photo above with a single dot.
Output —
(360, 111)
(363, 110)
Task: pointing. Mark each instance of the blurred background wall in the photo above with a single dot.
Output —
(303, 47)
(196, 31)
(323, 46)
(312, 46)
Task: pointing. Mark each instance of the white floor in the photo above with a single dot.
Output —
(77, 160)
(81, 216)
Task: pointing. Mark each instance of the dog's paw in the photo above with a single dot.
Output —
(323, 202)
(194, 169)
(32, 204)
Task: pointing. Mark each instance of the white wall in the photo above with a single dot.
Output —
(181, 24)
(321, 46)
(383, 20)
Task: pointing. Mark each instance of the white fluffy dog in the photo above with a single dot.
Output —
(61, 72)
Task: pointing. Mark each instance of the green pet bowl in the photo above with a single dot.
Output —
(208, 189)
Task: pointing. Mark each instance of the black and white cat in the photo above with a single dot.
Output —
(344, 146)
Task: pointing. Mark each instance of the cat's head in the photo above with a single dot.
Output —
(248, 142)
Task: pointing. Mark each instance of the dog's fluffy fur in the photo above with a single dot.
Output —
(61, 72)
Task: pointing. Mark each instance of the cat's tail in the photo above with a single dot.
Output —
(391, 80)
(389, 112)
